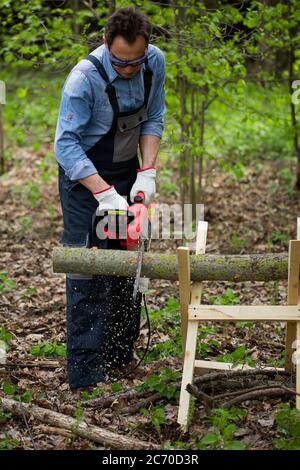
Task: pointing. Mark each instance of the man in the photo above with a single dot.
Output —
(112, 103)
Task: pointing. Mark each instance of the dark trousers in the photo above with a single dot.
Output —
(102, 318)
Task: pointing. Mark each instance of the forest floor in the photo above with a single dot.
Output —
(256, 214)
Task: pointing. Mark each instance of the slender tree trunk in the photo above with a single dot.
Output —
(75, 9)
(202, 130)
(182, 91)
(111, 6)
(192, 157)
(2, 162)
(294, 122)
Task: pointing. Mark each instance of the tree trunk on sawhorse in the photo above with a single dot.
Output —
(255, 267)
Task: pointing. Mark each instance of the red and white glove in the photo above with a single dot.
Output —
(109, 199)
(145, 182)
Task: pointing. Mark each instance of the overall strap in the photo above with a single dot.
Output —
(148, 74)
(110, 89)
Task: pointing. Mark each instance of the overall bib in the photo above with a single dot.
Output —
(102, 318)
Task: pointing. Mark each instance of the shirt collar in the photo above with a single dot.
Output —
(111, 73)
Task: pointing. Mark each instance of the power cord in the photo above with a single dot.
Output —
(126, 374)
(26, 424)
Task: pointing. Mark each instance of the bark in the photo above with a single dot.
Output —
(131, 410)
(44, 364)
(275, 392)
(235, 268)
(232, 374)
(106, 402)
(80, 428)
(2, 162)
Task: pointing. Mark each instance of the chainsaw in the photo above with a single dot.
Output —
(128, 230)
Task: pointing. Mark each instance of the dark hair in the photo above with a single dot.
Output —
(129, 24)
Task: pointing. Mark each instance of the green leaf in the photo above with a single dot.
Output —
(209, 439)
(235, 445)
(8, 389)
(116, 387)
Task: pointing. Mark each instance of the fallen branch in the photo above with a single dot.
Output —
(247, 390)
(290, 390)
(207, 380)
(80, 428)
(214, 376)
(106, 402)
(45, 364)
(258, 394)
(208, 401)
(50, 429)
(142, 404)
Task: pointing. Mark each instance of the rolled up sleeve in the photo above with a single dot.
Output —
(157, 108)
(74, 114)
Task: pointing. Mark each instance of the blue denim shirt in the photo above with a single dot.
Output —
(86, 115)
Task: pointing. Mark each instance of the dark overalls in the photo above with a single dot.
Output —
(102, 319)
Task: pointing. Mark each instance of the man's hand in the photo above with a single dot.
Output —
(109, 199)
(145, 182)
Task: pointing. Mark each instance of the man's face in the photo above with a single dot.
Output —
(121, 50)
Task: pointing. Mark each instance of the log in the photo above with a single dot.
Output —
(78, 427)
(254, 267)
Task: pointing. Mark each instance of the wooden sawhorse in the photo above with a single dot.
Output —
(192, 312)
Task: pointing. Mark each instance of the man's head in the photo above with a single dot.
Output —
(127, 34)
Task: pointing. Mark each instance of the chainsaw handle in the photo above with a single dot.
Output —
(140, 197)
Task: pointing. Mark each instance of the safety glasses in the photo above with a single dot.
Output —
(125, 63)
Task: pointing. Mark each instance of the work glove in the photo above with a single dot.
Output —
(145, 182)
(109, 199)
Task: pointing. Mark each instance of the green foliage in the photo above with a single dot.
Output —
(29, 292)
(277, 362)
(26, 223)
(49, 349)
(166, 320)
(162, 383)
(26, 397)
(166, 182)
(288, 426)
(31, 121)
(206, 345)
(236, 244)
(166, 317)
(177, 445)
(6, 284)
(169, 348)
(78, 413)
(278, 238)
(9, 443)
(224, 427)
(157, 416)
(237, 169)
(229, 298)
(11, 390)
(5, 337)
(244, 324)
(116, 387)
(239, 356)
(97, 392)
(4, 415)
